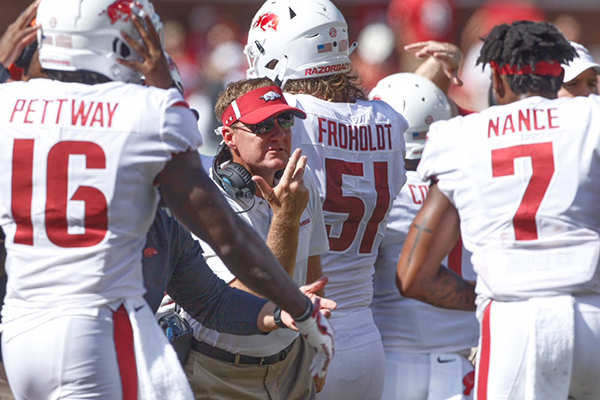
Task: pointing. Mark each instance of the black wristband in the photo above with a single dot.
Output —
(4, 74)
(307, 313)
(277, 318)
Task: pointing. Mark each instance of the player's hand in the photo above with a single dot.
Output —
(447, 54)
(317, 331)
(326, 306)
(18, 35)
(154, 65)
(289, 197)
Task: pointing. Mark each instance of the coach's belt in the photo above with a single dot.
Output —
(220, 354)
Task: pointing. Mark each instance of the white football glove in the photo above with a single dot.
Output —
(319, 334)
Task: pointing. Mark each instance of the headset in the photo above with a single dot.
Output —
(234, 178)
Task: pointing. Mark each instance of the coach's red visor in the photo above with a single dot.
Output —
(258, 105)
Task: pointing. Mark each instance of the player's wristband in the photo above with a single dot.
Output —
(307, 313)
(277, 318)
(4, 74)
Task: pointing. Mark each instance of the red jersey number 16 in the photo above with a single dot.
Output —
(96, 216)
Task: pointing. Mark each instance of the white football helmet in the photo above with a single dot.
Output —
(419, 100)
(307, 38)
(174, 71)
(86, 35)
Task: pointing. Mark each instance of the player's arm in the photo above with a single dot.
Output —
(315, 271)
(198, 204)
(442, 62)
(267, 320)
(432, 235)
(194, 286)
(208, 299)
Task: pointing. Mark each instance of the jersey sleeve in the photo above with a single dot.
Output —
(179, 126)
(441, 154)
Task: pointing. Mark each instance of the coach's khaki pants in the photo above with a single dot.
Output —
(286, 380)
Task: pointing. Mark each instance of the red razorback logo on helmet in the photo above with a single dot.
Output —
(266, 21)
(121, 10)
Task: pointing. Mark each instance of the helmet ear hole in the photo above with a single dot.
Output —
(272, 64)
(121, 48)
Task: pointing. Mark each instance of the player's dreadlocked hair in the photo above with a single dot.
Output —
(337, 88)
(526, 43)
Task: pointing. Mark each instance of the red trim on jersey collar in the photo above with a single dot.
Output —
(258, 105)
(543, 68)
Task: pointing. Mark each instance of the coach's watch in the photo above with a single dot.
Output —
(277, 318)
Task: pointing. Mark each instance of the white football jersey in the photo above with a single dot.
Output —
(408, 325)
(312, 241)
(524, 179)
(357, 152)
(77, 194)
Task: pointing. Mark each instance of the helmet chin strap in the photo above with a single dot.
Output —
(281, 68)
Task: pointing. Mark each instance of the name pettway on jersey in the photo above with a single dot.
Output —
(373, 137)
(76, 112)
(356, 210)
(57, 190)
(542, 167)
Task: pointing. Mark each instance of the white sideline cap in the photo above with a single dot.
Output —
(580, 64)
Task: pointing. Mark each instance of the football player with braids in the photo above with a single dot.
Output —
(84, 163)
(426, 347)
(521, 181)
(356, 148)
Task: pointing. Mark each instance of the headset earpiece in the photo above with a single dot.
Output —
(234, 178)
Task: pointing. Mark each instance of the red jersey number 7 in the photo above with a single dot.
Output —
(542, 165)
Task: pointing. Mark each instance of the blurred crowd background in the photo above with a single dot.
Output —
(206, 37)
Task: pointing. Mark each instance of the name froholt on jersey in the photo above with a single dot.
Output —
(371, 137)
(78, 112)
